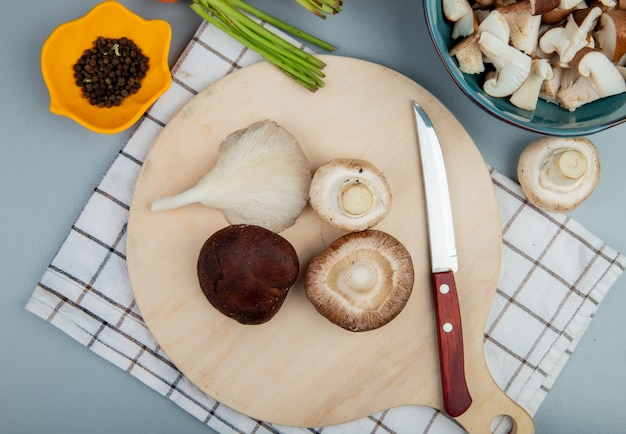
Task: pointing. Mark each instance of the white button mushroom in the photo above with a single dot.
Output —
(350, 194)
(558, 173)
(361, 281)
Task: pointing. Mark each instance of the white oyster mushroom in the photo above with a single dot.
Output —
(350, 194)
(527, 95)
(512, 66)
(558, 173)
(261, 178)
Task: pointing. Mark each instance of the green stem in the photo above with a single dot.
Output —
(282, 25)
(200, 7)
(269, 42)
(295, 62)
(236, 15)
(289, 56)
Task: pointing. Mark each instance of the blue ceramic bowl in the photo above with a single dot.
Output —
(548, 118)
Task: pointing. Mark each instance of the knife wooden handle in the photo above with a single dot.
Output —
(456, 396)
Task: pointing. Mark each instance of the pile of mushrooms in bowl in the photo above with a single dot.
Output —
(554, 67)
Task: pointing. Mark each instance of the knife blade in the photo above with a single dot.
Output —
(444, 263)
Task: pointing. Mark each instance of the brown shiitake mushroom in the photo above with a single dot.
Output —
(246, 271)
(350, 194)
(558, 173)
(361, 281)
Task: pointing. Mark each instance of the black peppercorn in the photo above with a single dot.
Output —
(110, 71)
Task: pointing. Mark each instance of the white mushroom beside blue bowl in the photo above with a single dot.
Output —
(554, 67)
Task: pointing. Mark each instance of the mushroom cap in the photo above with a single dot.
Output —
(611, 36)
(350, 194)
(246, 271)
(361, 281)
(602, 72)
(540, 7)
(558, 173)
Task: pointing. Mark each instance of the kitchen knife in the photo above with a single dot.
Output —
(456, 396)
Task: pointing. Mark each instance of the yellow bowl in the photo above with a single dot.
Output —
(67, 44)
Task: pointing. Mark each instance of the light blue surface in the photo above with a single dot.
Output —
(49, 166)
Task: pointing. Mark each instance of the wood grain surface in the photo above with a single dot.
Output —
(299, 369)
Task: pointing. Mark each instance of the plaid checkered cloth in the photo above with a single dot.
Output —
(554, 275)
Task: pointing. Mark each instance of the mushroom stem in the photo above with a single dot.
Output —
(572, 163)
(563, 170)
(355, 199)
(187, 197)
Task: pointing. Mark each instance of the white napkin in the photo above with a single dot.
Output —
(554, 275)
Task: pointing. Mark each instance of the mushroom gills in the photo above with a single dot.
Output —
(363, 279)
(261, 177)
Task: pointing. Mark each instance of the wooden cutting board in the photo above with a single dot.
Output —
(299, 369)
